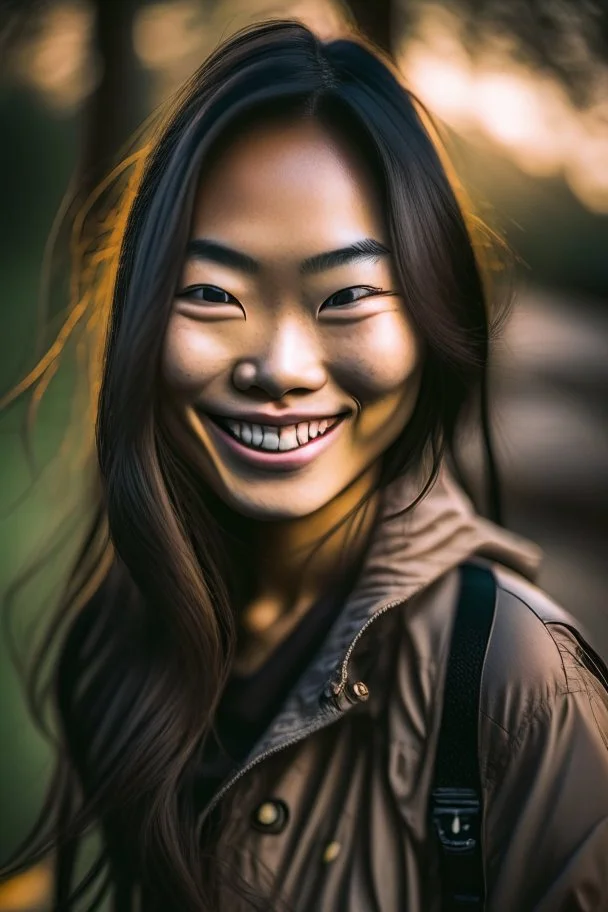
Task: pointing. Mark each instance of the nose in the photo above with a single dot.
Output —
(289, 360)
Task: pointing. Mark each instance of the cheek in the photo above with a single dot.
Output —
(193, 355)
(376, 357)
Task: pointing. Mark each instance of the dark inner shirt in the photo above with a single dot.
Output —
(250, 702)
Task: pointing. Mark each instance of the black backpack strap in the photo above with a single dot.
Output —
(456, 796)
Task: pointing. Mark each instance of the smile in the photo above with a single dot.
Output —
(274, 447)
(277, 438)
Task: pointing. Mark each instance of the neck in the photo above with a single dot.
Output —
(291, 563)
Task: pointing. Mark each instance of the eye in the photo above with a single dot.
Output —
(208, 293)
(350, 296)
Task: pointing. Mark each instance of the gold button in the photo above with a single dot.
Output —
(271, 816)
(267, 813)
(361, 691)
(332, 850)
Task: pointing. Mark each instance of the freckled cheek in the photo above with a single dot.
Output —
(192, 357)
(376, 357)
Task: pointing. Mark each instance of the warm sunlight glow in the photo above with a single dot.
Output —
(524, 111)
(510, 111)
(447, 83)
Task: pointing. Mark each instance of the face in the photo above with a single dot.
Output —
(289, 356)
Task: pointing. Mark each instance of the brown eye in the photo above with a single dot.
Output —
(209, 293)
(350, 295)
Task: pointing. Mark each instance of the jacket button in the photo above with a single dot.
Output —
(361, 691)
(270, 816)
(332, 850)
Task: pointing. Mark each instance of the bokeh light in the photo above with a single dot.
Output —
(524, 111)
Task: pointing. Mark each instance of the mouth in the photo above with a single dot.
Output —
(273, 438)
(273, 446)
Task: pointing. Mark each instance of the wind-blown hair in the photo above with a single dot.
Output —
(143, 661)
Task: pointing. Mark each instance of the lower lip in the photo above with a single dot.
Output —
(279, 459)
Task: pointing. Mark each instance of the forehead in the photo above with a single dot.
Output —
(291, 188)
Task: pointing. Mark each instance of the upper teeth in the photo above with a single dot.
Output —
(273, 437)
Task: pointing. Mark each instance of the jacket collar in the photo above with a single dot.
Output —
(410, 549)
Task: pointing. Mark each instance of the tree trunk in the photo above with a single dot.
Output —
(117, 105)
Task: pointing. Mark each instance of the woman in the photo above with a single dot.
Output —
(250, 701)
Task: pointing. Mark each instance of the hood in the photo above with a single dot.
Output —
(413, 547)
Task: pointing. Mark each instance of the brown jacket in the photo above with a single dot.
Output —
(334, 798)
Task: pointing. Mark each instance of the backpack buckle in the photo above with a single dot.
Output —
(455, 814)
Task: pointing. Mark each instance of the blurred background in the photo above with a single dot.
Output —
(519, 89)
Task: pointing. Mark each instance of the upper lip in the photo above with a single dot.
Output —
(268, 418)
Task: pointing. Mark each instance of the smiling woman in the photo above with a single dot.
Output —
(250, 701)
(289, 348)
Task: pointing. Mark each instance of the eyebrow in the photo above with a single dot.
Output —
(360, 250)
(203, 249)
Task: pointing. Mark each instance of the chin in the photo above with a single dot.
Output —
(274, 507)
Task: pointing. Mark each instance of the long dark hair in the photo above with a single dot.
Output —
(144, 656)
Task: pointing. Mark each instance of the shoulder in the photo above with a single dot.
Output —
(539, 664)
(536, 649)
(531, 650)
(543, 756)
